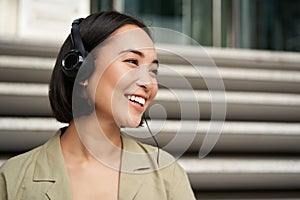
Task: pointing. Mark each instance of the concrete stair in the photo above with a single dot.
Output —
(256, 155)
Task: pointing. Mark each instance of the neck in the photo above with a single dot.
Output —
(89, 138)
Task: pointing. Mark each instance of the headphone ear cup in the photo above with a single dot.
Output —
(71, 63)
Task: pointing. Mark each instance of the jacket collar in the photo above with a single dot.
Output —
(136, 160)
(137, 157)
(50, 168)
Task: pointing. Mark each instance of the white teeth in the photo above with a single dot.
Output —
(139, 100)
(142, 101)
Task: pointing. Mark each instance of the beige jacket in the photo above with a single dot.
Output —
(42, 174)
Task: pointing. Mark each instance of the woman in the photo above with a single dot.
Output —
(103, 79)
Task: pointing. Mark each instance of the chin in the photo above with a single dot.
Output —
(131, 123)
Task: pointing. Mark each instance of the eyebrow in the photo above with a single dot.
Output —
(141, 54)
(133, 51)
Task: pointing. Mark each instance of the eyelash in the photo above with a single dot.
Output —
(136, 62)
(133, 61)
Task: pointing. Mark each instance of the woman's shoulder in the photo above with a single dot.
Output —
(24, 160)
(14, 164)
(26, 176)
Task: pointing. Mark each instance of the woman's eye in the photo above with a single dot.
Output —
(132, 61)
(154, 71)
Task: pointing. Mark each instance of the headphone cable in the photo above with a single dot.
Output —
(152, 135)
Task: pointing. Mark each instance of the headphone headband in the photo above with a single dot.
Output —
(76, 37)
(76, 56)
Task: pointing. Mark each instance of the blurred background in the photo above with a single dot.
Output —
(255, 45)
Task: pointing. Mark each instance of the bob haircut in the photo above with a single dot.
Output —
(94, 29)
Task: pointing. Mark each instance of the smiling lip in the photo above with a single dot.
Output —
(137, 101)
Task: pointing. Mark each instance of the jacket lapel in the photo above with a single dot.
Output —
(50, 169)
(135, 162)
(129, 186)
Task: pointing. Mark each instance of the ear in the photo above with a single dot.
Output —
(83, 91)
(84, 83)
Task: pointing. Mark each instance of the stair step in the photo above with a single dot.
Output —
(174, 54)
(13, 46)
(39, 69)
(25, 69)
(226, 57)
(237, 79)
(238, 172)
(23, 99)
(182, 104)
(232, 136)
(19, 134)
(248, 195)
(226, 172)
(32, 100)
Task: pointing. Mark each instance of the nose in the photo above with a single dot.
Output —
(146, 85)
(145, 80)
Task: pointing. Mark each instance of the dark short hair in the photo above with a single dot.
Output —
(94, 29)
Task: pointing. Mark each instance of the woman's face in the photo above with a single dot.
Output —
(124, 81)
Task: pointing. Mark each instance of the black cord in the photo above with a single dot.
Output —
(157, 145)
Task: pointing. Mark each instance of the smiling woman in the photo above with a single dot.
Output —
(104, 79)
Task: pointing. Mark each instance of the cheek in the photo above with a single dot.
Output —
(154, 91)
(112, 76)
(112, 83)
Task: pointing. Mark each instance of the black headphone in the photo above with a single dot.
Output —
(77, 55)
